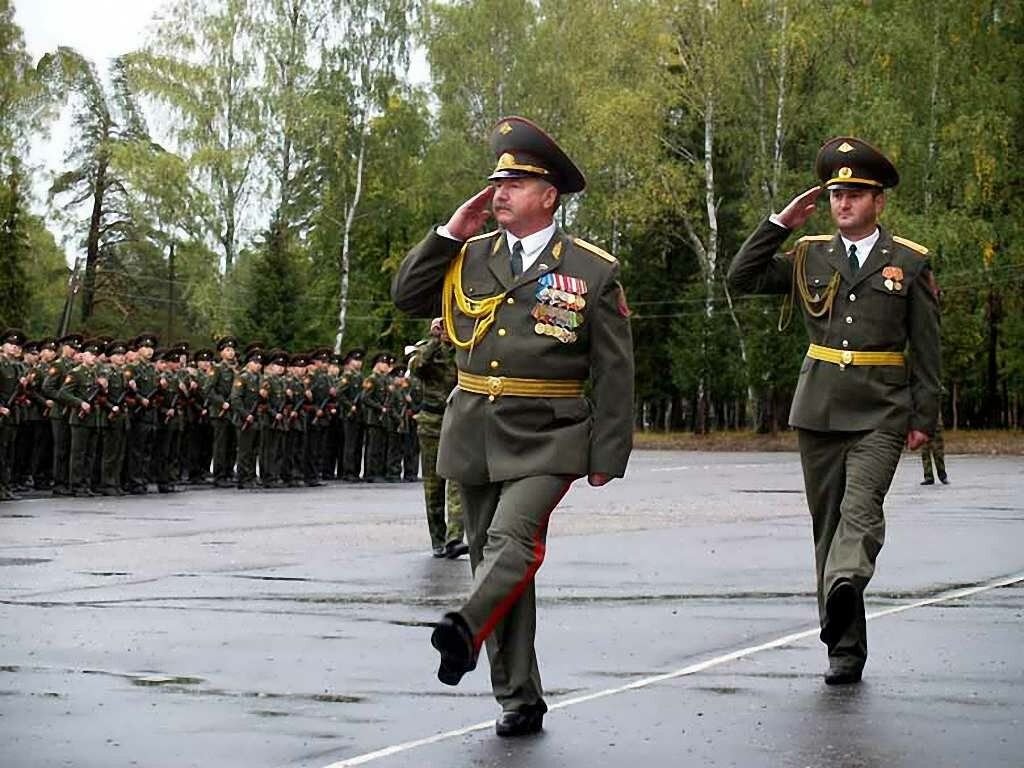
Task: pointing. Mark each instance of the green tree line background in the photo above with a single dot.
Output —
(261, 167)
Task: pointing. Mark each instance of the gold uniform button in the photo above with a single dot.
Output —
(510, 300)
(495, 363)
(502, 331)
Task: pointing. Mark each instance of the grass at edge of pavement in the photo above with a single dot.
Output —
(962, 441)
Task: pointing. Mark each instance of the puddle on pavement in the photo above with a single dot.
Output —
(158, 680)
(15, 515)
(269, 713)
(105, 573)
(24, 560)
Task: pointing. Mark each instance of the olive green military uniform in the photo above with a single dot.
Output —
(374, 405)
(143, 419)
(166, 405)
(395, 421)
(59, 425)
(79, 387)
(516, 456)
(218, 392)
(115, 438)
(410, 430)
(245, 401)
(350, 392)
(434, 365)
(852, 419)
(42, 436)
(10, 374)
(274, 429)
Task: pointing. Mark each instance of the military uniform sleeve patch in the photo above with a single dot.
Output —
(594, 250)
(623, 306)
(916, 247)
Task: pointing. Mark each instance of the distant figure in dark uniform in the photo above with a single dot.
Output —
(534, 315)
(866, 297)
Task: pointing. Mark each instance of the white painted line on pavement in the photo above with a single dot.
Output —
(644, 682)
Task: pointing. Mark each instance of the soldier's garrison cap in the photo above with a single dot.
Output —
(524, 149)
(353, 354)
(14, 336)
(846, 162)
(117, 347)
(227, 341)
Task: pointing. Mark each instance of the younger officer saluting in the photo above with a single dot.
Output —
(866, 297)
(534, 314)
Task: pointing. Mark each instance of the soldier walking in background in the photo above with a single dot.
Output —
(534, 314)
(433, 364)
(866, 296)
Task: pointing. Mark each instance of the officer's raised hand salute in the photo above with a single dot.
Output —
(535, 315)
(867, 298)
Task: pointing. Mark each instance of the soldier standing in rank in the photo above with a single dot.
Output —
(115, 416)
(200, 429)
(142, 381)
(433, 363)
(295, 464)
(375, 418)
(246, 401)
(70, 345)
(866, 297)
(42, 437)
(218, 396)
(935, 451)
(84, 392)
(333, 446)
(534, 314)
(164, 405)
(12, 384)
(323, 394)
(274, 424)
(410, 432)
(398, 403)
(350, 388)
(29, 414)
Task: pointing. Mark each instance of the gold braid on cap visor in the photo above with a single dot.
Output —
(482, 310)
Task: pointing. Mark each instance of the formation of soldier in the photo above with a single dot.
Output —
(107, 417)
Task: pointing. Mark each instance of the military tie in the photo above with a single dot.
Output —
(517, 259)
(854, 261)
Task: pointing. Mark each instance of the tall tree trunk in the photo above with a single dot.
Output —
(345, 265)
(780, 104)
(92, 241)
(933, 117)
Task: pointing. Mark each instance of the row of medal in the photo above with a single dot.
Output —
(559, 301)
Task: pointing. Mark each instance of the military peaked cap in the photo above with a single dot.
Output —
(846, 162)
(95, 346)
(353, 354)
(117, 348)
(523, 149)
(146, 340)
(14, 336)
(204, 355)
(227, 341)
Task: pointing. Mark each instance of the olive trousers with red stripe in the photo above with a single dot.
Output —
(506, 526)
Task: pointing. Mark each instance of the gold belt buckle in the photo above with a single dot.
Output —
(846, 357)
(495, 386)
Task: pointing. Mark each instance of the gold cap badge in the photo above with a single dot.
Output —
(505, 129)
(845, 172)
(845, 147)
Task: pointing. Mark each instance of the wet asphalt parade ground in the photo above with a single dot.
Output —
(677, 627)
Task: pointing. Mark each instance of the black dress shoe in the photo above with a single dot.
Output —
(944, 480)
(440, 552)
(842, 675)
(840, 611)
(927, 482)
(453, 639)
(456, 549)
(521, 722)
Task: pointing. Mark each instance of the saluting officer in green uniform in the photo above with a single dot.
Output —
(534, 314)
(867, 300)
(433, 363)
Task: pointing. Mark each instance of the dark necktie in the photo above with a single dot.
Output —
(854, 261)
(517, 259)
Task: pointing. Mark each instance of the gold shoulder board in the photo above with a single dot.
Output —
(484, 236)
(916, 247)
(594, 249)
(815, 239)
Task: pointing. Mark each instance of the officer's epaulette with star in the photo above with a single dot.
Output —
(814, 239)
(915, 247)
(594, 250)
